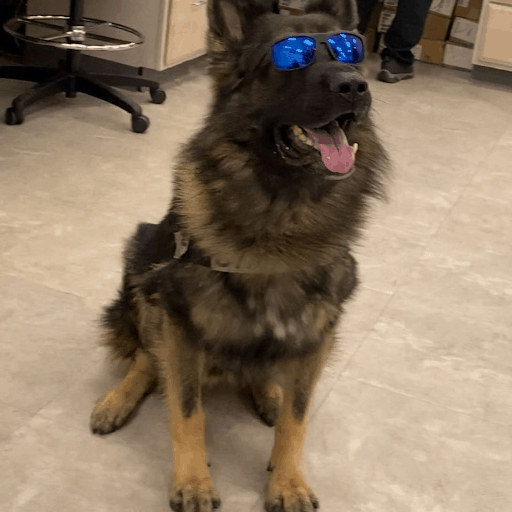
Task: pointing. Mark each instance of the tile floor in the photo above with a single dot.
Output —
(415, 412)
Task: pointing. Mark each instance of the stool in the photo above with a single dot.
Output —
(75, 34)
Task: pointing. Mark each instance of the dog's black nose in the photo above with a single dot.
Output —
(351, 87)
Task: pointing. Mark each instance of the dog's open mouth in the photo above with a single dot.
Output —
(330, 140)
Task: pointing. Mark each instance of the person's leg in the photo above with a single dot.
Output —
(365, 8)
(405, 33)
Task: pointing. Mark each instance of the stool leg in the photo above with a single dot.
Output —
(93, 87)
(157, 95)
(51, 87)
(125, 80)
(27, 74)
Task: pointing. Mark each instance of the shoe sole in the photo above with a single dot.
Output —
(390, 78)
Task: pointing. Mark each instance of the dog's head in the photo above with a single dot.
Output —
(300, 118)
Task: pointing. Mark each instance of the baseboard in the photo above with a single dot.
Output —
(497, 76)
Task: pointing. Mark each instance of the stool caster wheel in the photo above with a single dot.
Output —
(13, 117)
(158, 96)
(140, 123)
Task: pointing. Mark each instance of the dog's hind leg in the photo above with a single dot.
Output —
(267, 398)
(111, 412)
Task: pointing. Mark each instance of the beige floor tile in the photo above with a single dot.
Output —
(361, 313)
(467, 295)
(473, 246)
(493, 178)
(416, 211)
(11, 419)
(466, 267)
(385, 257)
(438, 357)
(372, 450)
(48, 339)
(48, 466)
(71, 251)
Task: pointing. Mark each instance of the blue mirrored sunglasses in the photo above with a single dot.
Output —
(298, 52)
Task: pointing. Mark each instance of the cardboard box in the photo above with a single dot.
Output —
(431, 51)
(456, 56)
(385, 20)
(370, 38)
(436, 27)
(381, 45)
(464, 32)
(292, 5)
(416, 51)
(375, 16)
(288, 7)
(443, 7)
(469, 9)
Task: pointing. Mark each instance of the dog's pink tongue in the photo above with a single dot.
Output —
(337, 155)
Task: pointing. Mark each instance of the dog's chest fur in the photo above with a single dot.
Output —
(240, 318)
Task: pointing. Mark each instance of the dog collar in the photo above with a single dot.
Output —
(186, 250)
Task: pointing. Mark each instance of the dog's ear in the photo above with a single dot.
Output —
(343, 10)
(229, 20)
(226, 22)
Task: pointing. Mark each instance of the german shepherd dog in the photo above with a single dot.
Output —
(246, 275)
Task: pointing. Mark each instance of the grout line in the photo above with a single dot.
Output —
(351, 357)
(17, 408)
(423, 400)
(44, 285)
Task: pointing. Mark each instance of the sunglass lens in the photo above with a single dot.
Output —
(347, 48)
(293, 53)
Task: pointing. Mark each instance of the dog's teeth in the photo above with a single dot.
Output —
(302, 137)
(355, 147)
(297, 130)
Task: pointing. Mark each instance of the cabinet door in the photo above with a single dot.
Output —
(188, 24)
(495, 42)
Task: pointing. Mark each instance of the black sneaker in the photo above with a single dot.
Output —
(392, 71)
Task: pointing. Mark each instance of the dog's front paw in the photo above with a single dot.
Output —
(290, 493)
(193, 494)
(110, 413)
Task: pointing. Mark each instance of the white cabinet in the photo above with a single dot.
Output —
(493, 47)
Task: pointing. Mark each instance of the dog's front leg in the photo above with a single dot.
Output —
(288, 491)
(191, 487)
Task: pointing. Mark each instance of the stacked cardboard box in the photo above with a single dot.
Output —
(459, 49)
(469, 9)
(292, 7)
(449, 33)
(371, 33)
